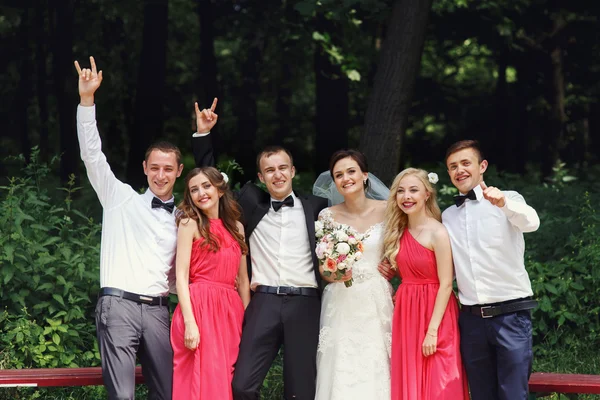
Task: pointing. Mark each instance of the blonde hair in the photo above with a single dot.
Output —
(397, 220)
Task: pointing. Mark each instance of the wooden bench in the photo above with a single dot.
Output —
(544, 383)
(540, 383)
(46, 377)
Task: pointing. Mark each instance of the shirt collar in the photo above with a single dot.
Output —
(478, 192)
(149, 195)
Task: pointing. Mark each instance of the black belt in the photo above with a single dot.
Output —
(492, 310)
(288, 290)
(138, 298)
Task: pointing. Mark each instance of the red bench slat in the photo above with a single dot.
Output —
(541, 382)
(57, 377)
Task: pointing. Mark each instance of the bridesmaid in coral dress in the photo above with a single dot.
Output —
(426, 361)
(207, 323)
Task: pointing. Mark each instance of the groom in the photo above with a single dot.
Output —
(284, 273)
(486, 229)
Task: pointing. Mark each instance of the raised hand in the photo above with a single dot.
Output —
(206, 119)
(493, 195)
(89, 81)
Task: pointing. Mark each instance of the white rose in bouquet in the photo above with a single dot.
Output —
(341, 236)
(318, 229)
(342, 248)
(358, 255)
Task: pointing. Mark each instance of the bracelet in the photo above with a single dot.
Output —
(431, 335)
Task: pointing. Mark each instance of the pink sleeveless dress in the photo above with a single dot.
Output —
(206, 373)
(416, 377)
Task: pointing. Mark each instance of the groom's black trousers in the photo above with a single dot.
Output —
(270, 321)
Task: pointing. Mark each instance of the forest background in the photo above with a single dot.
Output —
(398, 79)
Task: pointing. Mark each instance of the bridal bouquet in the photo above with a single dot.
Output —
(338, 248)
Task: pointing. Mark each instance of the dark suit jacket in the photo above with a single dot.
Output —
(255, 203)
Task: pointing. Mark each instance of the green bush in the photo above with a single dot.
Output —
(48, 273)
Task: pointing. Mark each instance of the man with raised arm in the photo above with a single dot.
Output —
(486, 227)
(136, 257)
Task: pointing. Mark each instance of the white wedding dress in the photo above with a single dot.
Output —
(353, 357)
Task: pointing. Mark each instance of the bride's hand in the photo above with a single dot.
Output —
(346, 277)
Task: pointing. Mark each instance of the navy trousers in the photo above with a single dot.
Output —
(497, 355)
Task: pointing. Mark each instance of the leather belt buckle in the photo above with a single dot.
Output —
(482, 310)
(146, 299)
(279, 293)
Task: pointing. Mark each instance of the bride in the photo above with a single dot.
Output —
(353, 357)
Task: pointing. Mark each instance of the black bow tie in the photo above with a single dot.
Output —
(289, 201)
(157, 203)
(459, 200)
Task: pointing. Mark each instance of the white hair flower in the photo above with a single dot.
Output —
(433, 177)
(225, 177)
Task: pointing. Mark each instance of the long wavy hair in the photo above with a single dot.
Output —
(229, 210)
(397, 220)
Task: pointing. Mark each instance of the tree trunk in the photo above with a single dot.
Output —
(332, 102)
(246, 107)
(149, 107)
(556, 122)
(594, 132)
(25, 92)
(332, 115)
(390, 100)
(42, 77)
(207, 84)
(503, 140)
(65, 86)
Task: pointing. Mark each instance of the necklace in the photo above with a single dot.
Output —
(417, 233)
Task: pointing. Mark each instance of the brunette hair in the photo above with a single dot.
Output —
(269, 151)
(165, 147)
(229, 210)
(356, 155)
(465, 144)
(397, 220)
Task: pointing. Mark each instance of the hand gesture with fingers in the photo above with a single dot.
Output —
(206, 118)
(493, 195)
(89, 81)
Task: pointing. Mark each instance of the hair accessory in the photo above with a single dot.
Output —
(225, 177)
(433, 177)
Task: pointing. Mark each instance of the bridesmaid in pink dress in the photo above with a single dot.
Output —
(207, 323)
(426, 361)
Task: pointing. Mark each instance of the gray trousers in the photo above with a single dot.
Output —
(126, 329)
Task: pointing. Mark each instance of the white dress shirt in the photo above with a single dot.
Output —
(280, 249)
(138, 245)
(488, 247)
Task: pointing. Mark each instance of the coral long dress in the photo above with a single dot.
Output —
(416, 377)
(206, 373)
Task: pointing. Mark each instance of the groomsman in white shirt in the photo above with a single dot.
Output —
(486, 227)
(137, 255)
